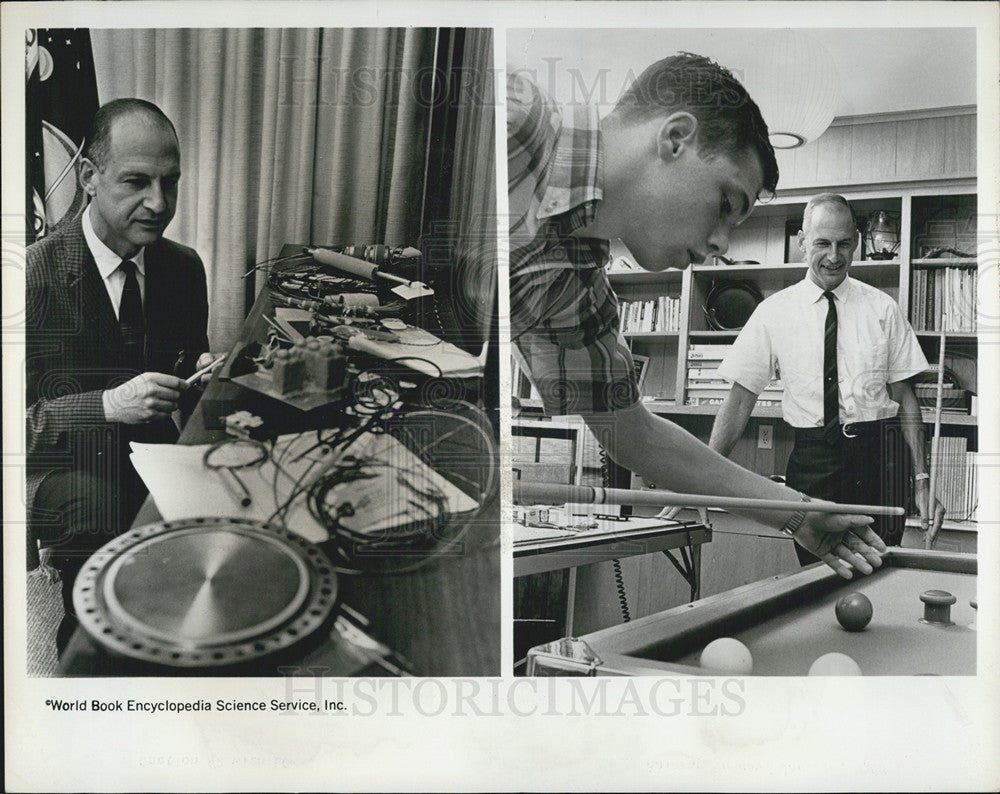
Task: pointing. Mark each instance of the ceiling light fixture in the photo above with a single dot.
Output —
(793, 80)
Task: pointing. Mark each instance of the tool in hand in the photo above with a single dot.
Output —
(204, 370)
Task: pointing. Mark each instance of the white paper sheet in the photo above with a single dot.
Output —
(183, 487)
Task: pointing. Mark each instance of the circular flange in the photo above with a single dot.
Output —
(204, 592)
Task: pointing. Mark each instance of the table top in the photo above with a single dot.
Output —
(585, 541)
(788, 621)
(442, 618)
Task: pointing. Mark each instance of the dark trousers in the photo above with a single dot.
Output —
(75, 512)
(873, 468)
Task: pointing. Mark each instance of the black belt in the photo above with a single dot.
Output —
(849, 430)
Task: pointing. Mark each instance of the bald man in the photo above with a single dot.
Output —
(116, 316)
(846, 354)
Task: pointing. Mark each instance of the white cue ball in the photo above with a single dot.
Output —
(726, 655)
(835, 664)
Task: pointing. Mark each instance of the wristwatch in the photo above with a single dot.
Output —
(792, 525)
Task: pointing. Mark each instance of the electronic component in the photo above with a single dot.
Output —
(288, 371)
(407, 288)
(326, 366)
(242, 424)
(311, 364)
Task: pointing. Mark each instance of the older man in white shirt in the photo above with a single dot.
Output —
(845, 353)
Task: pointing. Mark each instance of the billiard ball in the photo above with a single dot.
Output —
(835, 664)
(726, 655)
(854, 611)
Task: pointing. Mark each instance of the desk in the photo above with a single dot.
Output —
(538, 550)
(443, 618)
(788, 621)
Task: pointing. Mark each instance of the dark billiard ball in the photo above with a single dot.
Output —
(854, 611)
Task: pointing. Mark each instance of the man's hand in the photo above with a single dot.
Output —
(922, 498)
(842, 542)
(145, 398)
(205, 360)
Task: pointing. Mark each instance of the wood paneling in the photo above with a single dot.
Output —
(960, 155)
(921, 147)
(873, 152)
(939, 146)
(651, 584)
(833, 157)
(742, 552)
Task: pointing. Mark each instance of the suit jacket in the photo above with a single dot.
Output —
(75, 350)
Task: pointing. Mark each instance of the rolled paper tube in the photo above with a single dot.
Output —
(356, 267)
(527, 493)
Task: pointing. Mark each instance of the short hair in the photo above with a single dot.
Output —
(729, 121)
(98, 142)
(829, 200)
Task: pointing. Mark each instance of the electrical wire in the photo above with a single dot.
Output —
(620, 587)
(619, 577)
(423, 529)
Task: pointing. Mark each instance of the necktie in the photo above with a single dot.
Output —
(130, 318)
(831, 415)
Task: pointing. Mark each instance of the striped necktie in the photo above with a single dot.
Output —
(130, 319)
(831, 398)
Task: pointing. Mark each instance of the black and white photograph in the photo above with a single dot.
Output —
(522, 395)
(261, 361)
(743, 269)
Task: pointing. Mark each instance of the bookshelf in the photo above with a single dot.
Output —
(920, 166)
(930, 274)
(937, 229)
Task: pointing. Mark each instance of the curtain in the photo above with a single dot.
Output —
(473, 187)
(287, 136)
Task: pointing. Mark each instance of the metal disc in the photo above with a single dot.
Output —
(204, 592)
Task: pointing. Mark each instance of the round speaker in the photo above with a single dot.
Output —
(730, 303)
(204, 592)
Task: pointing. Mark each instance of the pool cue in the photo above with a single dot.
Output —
(556, 493)
(931, 535)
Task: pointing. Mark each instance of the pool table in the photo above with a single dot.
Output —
(788, 621)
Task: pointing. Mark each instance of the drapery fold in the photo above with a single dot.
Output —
(287, 135)
(473, 189)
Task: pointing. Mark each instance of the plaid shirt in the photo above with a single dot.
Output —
(564, 314)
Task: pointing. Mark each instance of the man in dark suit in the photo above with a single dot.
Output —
(116, 316)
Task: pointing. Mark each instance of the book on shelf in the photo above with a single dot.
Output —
(955, 477)
(654, 315)
(765, 403)
(939, 292)
(769, 392)
(708, 383)
(704, 373)
(699, 352)
(953, 398)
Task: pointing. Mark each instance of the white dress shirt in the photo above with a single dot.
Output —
(108, 262)
(875, 346)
